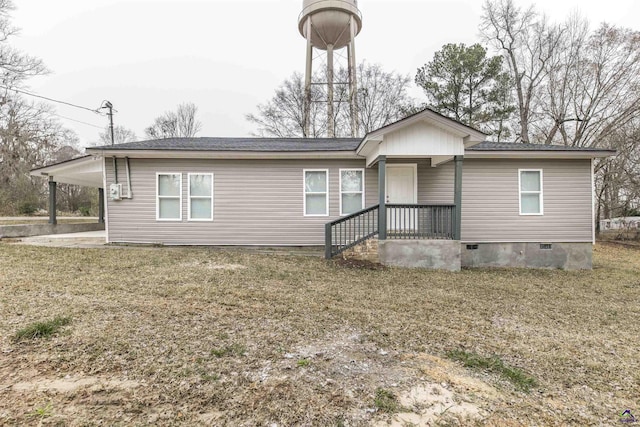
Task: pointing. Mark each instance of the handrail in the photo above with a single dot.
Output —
(403, 221)
(348, 231)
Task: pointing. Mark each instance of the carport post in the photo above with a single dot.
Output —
(101, 205)
(52, 201)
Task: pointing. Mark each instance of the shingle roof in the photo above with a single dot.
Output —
(304, 145)
(516, 146)
(240, 144)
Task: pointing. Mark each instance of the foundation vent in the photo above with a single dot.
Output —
(472, 247)
(545, 246)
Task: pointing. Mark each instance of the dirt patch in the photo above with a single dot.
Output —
(71, 384)
(358, 264)
(214, 266)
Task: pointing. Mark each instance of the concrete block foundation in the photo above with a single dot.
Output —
(432, 254)
(566, 256)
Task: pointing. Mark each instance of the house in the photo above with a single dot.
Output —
(620, 223)
(430, 189)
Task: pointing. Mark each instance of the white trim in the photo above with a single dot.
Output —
(539, 193)
(415, 178)
(350, 192)
(537, 154)
(304, 192)
(106, 200)
(593, 205)
(449, 125)
(172, 197)
(189, 197)
(205, 154)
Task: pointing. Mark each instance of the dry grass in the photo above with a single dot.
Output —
(164, 336)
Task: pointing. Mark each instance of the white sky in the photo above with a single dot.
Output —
(226, 56)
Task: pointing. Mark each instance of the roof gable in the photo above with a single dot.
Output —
(424, 134)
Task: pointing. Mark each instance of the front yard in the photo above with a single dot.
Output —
(195, 336)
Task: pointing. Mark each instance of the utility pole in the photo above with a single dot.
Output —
(109, 106)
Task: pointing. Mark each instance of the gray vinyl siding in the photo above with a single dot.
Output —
(490, 202)
(256, 202)
(490, 199)
(260, 202)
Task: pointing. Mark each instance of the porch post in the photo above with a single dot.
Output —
(457, 196)
(382, 210)
(52, 201)
(101, 205)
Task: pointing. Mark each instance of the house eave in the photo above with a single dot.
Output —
(232, 155)
(534, 154)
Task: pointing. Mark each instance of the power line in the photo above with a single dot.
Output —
(78, 121)
(96, 110)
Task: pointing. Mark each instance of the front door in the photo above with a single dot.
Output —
(401, 189)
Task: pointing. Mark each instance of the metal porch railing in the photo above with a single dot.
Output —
(402, 222)
(346, 232)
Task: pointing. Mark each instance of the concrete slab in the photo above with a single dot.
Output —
(86, 239)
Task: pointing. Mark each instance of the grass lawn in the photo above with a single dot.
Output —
(193, 336)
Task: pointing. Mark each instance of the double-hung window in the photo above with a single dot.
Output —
(351, 190)
(169, 196)
(316, 192)
(200, 197)
(531, 200)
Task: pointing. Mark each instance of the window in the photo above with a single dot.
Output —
(200, 197)
(316, 192)
(351, 190)
(169, 196)
(530, 181)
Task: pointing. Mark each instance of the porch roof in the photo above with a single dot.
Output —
(86, 171)
(426, 134)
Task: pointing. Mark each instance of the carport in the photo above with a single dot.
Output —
(86, 171)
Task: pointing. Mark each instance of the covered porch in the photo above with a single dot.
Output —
(85, 171)
(411, 232)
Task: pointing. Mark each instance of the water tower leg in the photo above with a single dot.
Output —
(307, 81)
(330, 124)
(353, 88)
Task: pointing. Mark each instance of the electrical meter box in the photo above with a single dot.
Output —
(115, 191)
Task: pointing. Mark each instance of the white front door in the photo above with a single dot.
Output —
(401, 189)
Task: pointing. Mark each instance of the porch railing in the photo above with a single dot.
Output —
(421, 221)
(403, 222)
(346, 232)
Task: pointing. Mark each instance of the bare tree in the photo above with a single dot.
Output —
(120, 135)
(617, 179)
(283, 115)
(592, 85)
(528, 42)
(29, 137)
(179, 124)
(15, 66)
(382, 98)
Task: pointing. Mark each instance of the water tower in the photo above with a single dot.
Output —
(329, 25)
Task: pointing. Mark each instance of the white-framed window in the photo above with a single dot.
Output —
(531, 191)
(200, 196)
(351, 190)
(168, 196)
(316, 192)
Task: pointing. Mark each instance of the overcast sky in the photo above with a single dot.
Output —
(226, 56)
